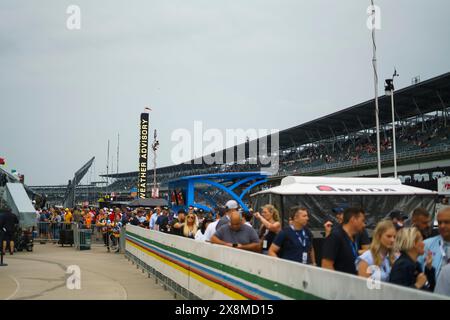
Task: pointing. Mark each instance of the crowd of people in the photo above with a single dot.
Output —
(403, 250)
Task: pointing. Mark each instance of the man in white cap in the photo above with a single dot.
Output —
(229, 206)
(213, 226)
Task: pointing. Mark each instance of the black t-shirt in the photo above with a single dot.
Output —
(8, 222)
(134, 221)
(294, 244)
(163, 222)
(177, 231)
(267, 238)
(363, 239)
(339, 248)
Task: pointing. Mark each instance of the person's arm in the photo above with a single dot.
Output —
(328, 226)
(429, 271)
(327, 264)
(255, 247)
(274, 227)
(362, 269)
(216, 240)
(313, 256)
(273, 250)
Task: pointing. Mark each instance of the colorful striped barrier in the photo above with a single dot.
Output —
(216, 272)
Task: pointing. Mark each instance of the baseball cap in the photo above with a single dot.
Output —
(338, 210)
(397, 214)
(231, 204)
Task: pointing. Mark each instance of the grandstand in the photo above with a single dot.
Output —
(339, 144)
(344, 143)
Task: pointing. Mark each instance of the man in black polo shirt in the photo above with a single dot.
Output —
(178, 223)
(340, 249)
(296, 241)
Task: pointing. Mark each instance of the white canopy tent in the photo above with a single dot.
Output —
(320, 195)
(294, 185)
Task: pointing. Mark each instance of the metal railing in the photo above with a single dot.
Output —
(49, 231)
(167, 283)
(402, 155)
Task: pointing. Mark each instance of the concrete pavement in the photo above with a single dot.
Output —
(41, 274)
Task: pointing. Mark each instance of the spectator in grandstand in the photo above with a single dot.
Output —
(154, 217)
(235, 234)
(190, 226)
(178, 223)
(162, 222)
(340, 248)
(443, 282)
(406, 271)
(376, 262)
(8, 222)
(421, 219)
(440, 244)
(200, 235)
(270, 226)
(295, 242)
(398, 218)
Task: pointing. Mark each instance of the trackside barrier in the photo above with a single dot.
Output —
(202, 270)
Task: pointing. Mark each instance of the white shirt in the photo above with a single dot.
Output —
(210, 230)
(153, 219)
(199, 236)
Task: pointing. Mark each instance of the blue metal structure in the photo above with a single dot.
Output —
(234, 185)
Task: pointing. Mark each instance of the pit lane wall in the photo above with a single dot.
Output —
(216, 272)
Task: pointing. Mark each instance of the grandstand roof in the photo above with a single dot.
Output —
(421, 98)
(417, 99)
(222, 176)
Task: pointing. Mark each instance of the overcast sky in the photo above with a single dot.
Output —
(231, 64)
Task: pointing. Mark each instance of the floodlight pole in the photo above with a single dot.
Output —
(155, 146)
(393, 133)
(374, 62)
(389, 88)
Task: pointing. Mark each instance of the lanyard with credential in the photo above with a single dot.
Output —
(302, 240)
(444, 254)
(354, 246)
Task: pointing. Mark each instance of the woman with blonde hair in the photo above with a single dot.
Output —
(270, 225)
(190, 226)
(376, 262)
(406, 271)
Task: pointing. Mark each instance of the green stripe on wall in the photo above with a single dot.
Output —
(252, 278)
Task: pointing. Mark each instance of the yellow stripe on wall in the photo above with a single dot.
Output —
(203, 280)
